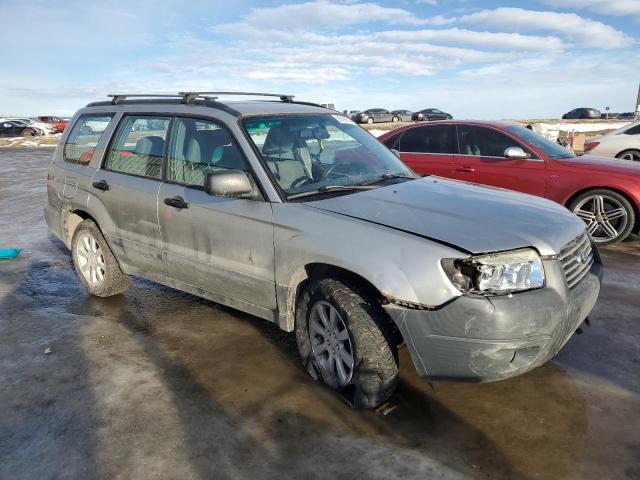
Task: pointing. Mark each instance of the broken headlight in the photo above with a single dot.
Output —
(496, 273)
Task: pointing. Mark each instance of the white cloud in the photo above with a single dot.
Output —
(605, 7)
(582, 32)
(324, 13)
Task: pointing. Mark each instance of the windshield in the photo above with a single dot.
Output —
(311, 152)
(549, 148)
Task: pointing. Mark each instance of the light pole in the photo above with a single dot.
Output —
(638, 105)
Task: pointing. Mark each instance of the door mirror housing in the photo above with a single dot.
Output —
(515, 153)
(229, 183)
(395, 152)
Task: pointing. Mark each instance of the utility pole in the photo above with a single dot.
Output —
(638, 105)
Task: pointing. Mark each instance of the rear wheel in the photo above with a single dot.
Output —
(609, 216)
(95, 264)
(345, 339)
(630, 155)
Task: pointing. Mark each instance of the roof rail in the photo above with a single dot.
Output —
(119, 97)
(189, 97)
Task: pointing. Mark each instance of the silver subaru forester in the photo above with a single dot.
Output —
(292, 212)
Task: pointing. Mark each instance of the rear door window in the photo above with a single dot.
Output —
(138, 148)
(431, 139)
(84, 137)
(199, 147)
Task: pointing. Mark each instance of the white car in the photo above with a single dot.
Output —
(43, 128)
(622, 143)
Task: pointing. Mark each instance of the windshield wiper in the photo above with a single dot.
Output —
(328, 189)
(387, 176)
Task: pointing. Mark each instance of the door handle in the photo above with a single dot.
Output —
(465, 169)
(101, 185)
(176, 202)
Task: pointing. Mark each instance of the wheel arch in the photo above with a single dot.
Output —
(619, 191)
(625, 150)
(317, 270)
(71, 220)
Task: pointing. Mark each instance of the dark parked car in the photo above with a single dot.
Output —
(626, 116)
(604, 192)
(375, 115)
(582, 113)
(16, 129)
(430, 114)
(404, 115)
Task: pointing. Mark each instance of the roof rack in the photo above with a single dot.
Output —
(189, 97)
(119, 97)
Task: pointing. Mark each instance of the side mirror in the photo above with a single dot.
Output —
(228, 183)
(395, 152)
(515, 153)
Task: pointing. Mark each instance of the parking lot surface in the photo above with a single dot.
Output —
(156, 383)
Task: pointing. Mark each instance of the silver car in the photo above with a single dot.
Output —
(293, 213)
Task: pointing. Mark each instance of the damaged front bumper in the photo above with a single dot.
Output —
(480, 338)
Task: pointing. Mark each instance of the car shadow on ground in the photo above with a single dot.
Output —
(160, 377)
(293, 424)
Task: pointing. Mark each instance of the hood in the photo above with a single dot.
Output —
(471, 217)
(602, 164)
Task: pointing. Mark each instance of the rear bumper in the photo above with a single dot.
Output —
(477, 338)
(53, 217)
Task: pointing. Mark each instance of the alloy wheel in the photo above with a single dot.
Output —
(90, 259)
(331, 344)
(605, 216)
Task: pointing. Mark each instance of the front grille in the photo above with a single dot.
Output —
(576, 259)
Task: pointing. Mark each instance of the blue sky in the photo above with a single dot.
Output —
(475, 59)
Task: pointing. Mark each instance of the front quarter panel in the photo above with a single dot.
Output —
(402, 266)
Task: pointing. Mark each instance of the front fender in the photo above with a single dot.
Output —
(401, 266)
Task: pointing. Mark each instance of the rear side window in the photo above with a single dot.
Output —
(199, 147)
(84, 137)
(633, 130)
(431, 139)
(138, 148)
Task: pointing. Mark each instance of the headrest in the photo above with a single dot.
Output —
(150, 146)
(280, 139)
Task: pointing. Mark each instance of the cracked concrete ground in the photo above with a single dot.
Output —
(156, 383)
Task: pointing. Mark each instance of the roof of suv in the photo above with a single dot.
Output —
(234, 107)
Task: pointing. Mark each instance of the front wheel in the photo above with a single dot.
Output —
(345, 339)
(26, 133)
(369, 120)
(95, 264)
(395, 119)
(609, 216)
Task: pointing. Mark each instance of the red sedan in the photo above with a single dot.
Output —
(604, 192)
(58, 122)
